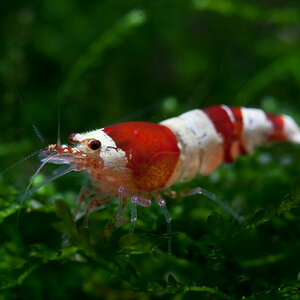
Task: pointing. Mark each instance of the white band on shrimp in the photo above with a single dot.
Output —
(210, 151)
(256, 127)
(189, 158)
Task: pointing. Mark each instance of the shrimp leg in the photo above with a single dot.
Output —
(122, 198)
(83, 195)
(213, 197)
(94, 203)
(136, 200)
(163, 205)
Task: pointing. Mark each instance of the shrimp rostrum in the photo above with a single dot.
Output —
(138, 160)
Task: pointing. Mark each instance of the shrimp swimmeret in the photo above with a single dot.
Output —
(139, 160)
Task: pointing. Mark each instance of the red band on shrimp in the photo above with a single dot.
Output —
(228, 121)
(151, 150)
(238, 129)
(278, 133)
(71, 137)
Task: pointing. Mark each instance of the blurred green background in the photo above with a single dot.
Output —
(101, 62)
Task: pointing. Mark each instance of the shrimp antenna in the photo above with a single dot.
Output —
(56, 174)
(20, 161)
(58, 130)
(37, 132)
(31, 181)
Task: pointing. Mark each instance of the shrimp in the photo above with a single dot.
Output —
(139, 160)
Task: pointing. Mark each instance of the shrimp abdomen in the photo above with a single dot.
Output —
(219, 134)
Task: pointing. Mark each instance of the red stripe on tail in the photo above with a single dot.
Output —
(228, 121)
(278, 133)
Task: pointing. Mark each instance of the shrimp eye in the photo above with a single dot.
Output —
(94, 144)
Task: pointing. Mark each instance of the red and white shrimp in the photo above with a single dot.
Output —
(138, 160)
